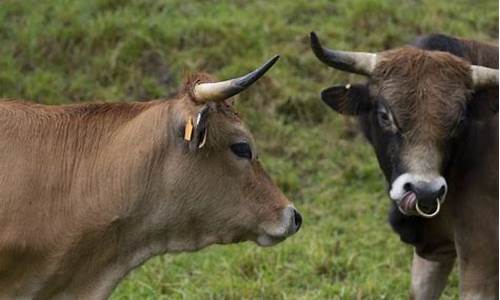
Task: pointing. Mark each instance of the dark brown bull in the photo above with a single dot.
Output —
(431, 113)
(89, 192)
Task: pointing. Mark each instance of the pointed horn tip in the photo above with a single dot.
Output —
(314, 40)
(273, 60)
(313, 35)
(317, 48)
(265, 67)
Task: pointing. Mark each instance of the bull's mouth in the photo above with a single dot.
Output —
(409, 205)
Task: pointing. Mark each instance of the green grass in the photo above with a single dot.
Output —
(65, 51)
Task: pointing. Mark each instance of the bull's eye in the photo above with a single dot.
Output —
(242, 150)
(384, 118)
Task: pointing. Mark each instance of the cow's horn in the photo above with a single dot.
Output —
(217, 91)
(355, 62)
(483, 76)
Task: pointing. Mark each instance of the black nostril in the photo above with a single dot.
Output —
(297, 219)
(408, 187)
(441, 191)
(427, 195)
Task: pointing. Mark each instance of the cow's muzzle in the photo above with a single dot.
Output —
(288, 224)
(415, 196)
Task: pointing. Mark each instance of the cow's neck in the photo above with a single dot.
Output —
(131, 163)
(145, 214)
(99, 190)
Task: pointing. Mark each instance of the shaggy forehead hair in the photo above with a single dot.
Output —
(426, 90)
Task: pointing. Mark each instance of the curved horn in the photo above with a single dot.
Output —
(217, 91)
(355, 62)
(483, 76)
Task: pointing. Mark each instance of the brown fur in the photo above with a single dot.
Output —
(89, 192)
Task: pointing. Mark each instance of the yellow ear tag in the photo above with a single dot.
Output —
(188, 130)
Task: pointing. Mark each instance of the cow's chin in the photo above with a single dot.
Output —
(272, 235)
(265, 240)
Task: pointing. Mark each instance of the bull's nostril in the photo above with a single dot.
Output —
(297, 219)
(441, 191)
(408, 187)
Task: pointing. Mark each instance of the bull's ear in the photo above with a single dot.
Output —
(348, 99)
(195, 131)
(484, 103)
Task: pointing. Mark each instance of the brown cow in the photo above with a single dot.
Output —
(432, 118)
(89, 192)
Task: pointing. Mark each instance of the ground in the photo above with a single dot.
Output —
(71, 51)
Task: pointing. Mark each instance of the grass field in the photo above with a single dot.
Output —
(65, 51)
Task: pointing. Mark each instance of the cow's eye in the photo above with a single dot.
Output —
(384, 119)
(242, 150)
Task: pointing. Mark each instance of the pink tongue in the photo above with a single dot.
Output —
(408, 202)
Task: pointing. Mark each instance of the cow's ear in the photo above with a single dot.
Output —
(484, 104)
(348, 99)
(195, 130)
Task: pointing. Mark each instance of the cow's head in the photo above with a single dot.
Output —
(223, 193)
(414, 106)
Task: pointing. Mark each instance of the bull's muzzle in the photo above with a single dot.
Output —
(416, 195)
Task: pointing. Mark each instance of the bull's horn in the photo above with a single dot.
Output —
(355, 62)
(483, 76)
(217, 91)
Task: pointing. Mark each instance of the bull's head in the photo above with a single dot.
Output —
(414, 107)
(223, 193)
